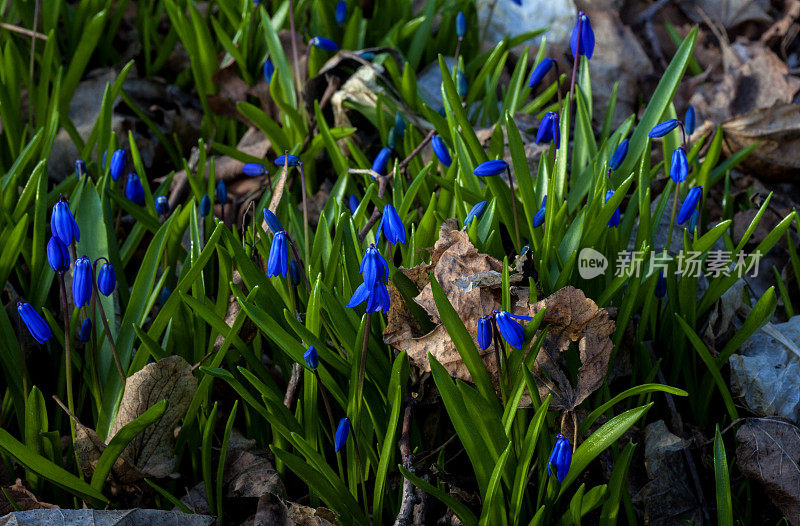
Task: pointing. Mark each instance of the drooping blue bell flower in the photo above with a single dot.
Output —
(134, 189)
(294, 272)
(57, 255)
(663, 128)
(221, 192)
(62, 223)
(342, 431)
(254, 169)
(205, 205)
(311, 358)
(117, 164)
(441, 151)
(489, 168)
(278, 262)
(689, 204)
(539, 72)
(549, 129)
(82, 282)
(661, 285)
(86, 330)
(340, 14)
(461, 25)
(538, 217)
(381, 160)
(269, 70)
(106, 279)
(373, 267)
(560, 458)
(619, 155)
(694, 219)
(162, 205)
(375, 271)
(485, 331)
(614, 221)
(80, 168)
(509, 329)
(679, 169)
(323, 43)
(272, 221)
(689, 120)
(582, 40)
(461, 84)
(36, 325)
(475, 212)
(391, 226)
(353, 203)
(291, 160)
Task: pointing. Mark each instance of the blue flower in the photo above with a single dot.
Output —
(272, 221)
(311, 358)
(162, 205)
(62, 223)
(205, 205)
(323, 43)
(399, 124)
(689, 204)
(134, 189)
(269, 70)
(560, 458)
(538, 217)
(291, 160)
(489, 168)
(367, 55)
(342, 430)
(375, 271)
(340, 13)
(353, 203)
(381, 160)
(391, 138)
(38, 328)
(693, 219)
(254, 169)
(475, 212)
(661, 285)
(614, 221)
(461, 25)
(221, 192)
(619, 155)
(392, 226)
(549, 129)
(57, 255)
(511, 331)
(485, 331)
(106, 279)
(117, 164)
(679, 169)
(539, 72)
(373, 267)
(688, 121)
(461, 84)
(441, 151)
(80, 168)
(585, 44)
(294, 272)
(661, 129)
(164, 295)
(82, 281)
(86, 330)
(278, 262)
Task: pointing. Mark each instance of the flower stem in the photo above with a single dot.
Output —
(305, 211)
(362, 368)
(67, 351)
(293, 36)
(511, 183)
(498, 349)
(109, 335)
(575, 61)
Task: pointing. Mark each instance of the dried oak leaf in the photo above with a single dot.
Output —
(24, 499)
(273, 511)
(768, 450)
(89, 447)
(777, 129)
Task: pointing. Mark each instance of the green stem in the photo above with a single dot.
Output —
(67, 351)
(511, 183)
(305, 211)
(362, 368)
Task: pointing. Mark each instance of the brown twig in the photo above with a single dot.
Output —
(23, 31)
(291, 389)
(409, 497)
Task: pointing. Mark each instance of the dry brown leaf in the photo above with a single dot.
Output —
(768, 450)
(89, 447)
(250, 475)
(24, 499)
(273, 511)
(730, 13)
(777, 129)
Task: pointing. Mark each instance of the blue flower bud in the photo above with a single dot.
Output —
(221, 192)
(585, 44)
(36, 325)
(391, 225)
(292, 160)
(86, 330)
(134, 189)
(560, 458)
(538, 217)
(269, 70)
(549, 129)
(80, 168)
(367, 55)
(311, 358)
(323, 43)
(663, 128)
(441, 151)
(614, 221)
(694, 219)
(374, 270)
(254, 169)
(509, 329)
(278, 262)
(162, 205)
(461, 25)
(57, 255)
(381, 160)
(342, 431)
(399, 124)
(461, 84)
(62, 223)
(106, 279)
(391, 138)
(353, 203)
(166, 292)
(661, 285)
(205, 205)
(619, 155)
(117, 164)
(294, 272)
(475, 212)
(82, 282)
(489, 168)
(688, 121)
(485, 331)
(689, 204)
(539, 72)
(272, 221)
(679, 169)
(341, 13)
